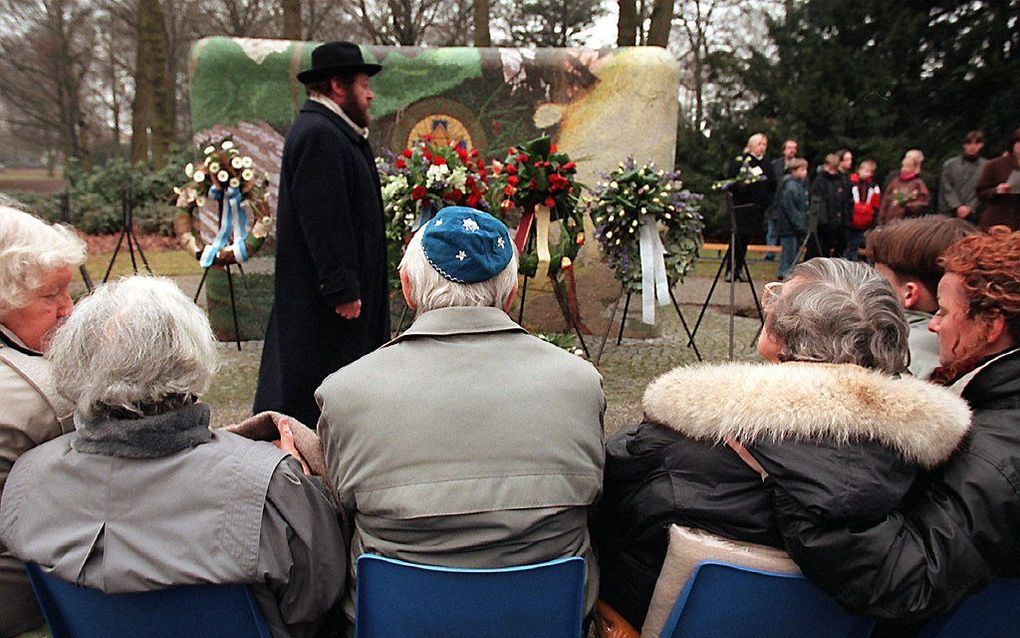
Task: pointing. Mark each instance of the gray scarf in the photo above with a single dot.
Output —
(148, 437)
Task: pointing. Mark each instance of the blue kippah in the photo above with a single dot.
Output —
(466, 245)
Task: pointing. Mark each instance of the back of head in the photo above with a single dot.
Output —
(911, 248)
(433, 281)
(134, 347)
(991, 279)
(838, 311)
(30, 250)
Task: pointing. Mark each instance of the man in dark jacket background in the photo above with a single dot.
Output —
(332, 304)
(830, 196)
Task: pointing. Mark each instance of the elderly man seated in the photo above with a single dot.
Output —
(465, 442)
(143, 495)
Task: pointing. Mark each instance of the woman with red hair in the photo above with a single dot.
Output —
(959, 528)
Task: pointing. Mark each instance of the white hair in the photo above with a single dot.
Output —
(30, 251)
(840, 311)
(430, 290)
(137, 346)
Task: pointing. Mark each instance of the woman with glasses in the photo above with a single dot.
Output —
(830, 416)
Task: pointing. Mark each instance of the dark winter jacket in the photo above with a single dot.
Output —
(832, 192)
(331, 249)
(1000, 208)
(790, 215)
(957, 529)
(752, 199)
(849, 441)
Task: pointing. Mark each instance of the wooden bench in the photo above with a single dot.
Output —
(751, 248)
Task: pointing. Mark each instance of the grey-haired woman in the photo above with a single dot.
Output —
(36, 264)
(829, 415)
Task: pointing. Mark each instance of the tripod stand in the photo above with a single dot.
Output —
(230, 287)
(126, 233)
(626, 295)
(730, 258)
(529, 246)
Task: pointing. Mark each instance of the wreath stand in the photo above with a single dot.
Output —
(230, 287)
(126, 232)
(730, 258)
(626, 294)
(569, 316)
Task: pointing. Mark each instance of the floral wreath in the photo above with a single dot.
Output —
(649, 229)
(230, 178)
(541, 182)
(746, 175)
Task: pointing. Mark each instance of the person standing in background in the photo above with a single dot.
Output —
(751, 200)
(958, 186)
(779, 167)
(332, 291)
(999, 187)
(867, 197)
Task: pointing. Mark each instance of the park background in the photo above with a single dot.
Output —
(94, 96)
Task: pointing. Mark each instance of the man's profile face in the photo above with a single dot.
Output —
(355, 98)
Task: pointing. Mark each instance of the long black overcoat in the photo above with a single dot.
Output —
(331, 249)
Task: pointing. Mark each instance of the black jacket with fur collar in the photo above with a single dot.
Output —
(845, 441)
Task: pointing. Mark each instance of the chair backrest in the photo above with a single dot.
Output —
(396, 598)
(988, 614)
(722, 600)
(196, 611)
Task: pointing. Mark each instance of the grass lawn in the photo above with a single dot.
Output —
(169, 263)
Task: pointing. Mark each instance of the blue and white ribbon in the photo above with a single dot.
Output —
(233, 226)
(654, 283)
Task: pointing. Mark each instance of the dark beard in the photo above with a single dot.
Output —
(354, 111)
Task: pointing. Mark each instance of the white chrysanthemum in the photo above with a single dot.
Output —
(458, 179)
(227, 145)
(209, 150)
(234, 182)
(436, 174)
(247, 162)
(223, 176)
(199, 176)
(237, 163)
(189, 170)
(214, 167)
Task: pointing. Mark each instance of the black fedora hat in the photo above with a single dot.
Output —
(336, 57)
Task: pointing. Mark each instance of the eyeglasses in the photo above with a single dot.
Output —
(772, 291)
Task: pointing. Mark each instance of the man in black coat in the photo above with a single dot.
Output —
(332, 303)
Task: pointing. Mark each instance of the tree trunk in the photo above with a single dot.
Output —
(141, 106)
(481, 17)
(292, 19)
(154, 109)
(626, 27)
(662, 21)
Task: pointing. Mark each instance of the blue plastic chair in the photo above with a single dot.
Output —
(396, 598)
(730, 601)
(196, 611)
(988, 614)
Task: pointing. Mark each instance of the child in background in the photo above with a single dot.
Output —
(790, 215)
(867, 196)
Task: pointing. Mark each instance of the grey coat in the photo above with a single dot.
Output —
(162, 501)
(924, 345)
(466, 442)
(958, 186)
(31, 413)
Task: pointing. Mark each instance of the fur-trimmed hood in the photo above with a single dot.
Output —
(923, 422)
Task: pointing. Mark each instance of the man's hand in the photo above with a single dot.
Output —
(963, 212)
(1002, 188)
(349, 310)
(286, 443)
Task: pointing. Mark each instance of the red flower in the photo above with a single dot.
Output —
(427, 155)
(511, 169)
(512, 180)
(552, 148)
(509, 191)
(438, 160)
(462, 154)
(400, 163)
(407, 153)
(455, 195)
(426, 138)
(418, 192)
(511, 151)
(474, 152)
(549, 202)
(473, 200)
(470, 182)
(569, 166)
(522, 158)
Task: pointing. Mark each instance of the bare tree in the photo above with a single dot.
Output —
(46, 52)
(481, 23)
(291, 19)
(626, 26)
(660, 23)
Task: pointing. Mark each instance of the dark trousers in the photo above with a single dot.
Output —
(830, 242)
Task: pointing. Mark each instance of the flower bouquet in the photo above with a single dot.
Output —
(746, 175)
(230, 178)
(540, 181)
(649, 229)
(424, 178)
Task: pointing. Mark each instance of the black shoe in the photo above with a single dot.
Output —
(729, 277)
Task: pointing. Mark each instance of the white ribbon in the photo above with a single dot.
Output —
(654, 283)
(233, 226)
(542, 221)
